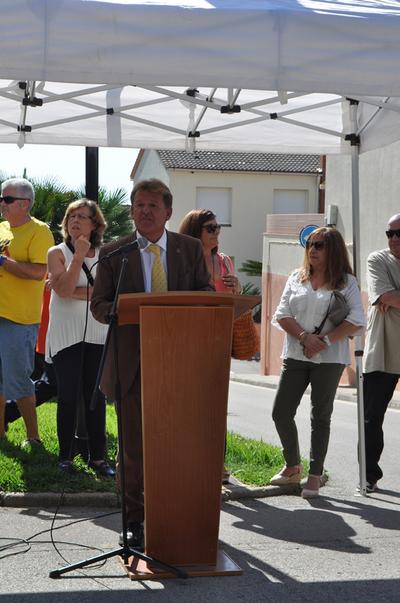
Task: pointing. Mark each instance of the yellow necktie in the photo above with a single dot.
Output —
(158, 276)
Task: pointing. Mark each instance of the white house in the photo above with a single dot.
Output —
(241, 188)
(379, 197)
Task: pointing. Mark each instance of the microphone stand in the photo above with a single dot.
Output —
(125, 551)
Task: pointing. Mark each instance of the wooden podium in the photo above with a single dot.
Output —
(185, 340)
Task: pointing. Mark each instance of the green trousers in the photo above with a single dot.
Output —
(296, 375)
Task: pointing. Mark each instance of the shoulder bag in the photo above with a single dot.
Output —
(338, 309)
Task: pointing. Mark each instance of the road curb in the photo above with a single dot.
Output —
(55, 499)
(109, 499)
(237, 492)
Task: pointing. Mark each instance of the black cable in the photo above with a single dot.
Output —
(19, 541)
(28, 541)
(77, 401)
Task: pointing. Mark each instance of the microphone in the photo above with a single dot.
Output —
(140, 243)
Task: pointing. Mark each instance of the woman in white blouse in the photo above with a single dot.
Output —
(311, 358)
(74, 338)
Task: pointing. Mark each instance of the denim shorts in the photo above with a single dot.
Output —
(17, 356)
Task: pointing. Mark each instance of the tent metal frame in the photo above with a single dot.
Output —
(33, 96)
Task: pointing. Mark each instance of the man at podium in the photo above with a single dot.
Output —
(161, 261)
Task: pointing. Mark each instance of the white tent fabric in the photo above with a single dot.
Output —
(108, 73)
(304, 45)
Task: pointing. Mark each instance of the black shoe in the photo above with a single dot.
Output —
(31, 444)
(66, 467)
(103, 469)
(135, 536)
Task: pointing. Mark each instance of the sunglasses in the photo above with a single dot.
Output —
(318, 245)
(211, 228)
(8, 199)
(390, 233)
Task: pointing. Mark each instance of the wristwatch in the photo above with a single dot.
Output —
(2, 259)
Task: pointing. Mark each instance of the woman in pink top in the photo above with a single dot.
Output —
(202, 224)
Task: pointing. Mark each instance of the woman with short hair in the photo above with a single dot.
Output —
(75, 339)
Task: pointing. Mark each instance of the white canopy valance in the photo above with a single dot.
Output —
(253, 75)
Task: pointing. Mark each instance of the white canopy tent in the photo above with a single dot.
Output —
(220, 74)
(295, 76)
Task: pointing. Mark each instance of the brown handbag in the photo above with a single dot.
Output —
(245, 339)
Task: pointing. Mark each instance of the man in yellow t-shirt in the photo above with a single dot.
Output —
(23, 265)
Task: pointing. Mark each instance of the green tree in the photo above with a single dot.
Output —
(52, 199)
(251, 268)
(115, 206)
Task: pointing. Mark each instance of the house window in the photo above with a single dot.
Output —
(219, 200)
(287, 201)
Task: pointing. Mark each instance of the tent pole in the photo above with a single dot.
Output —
(92, 173)
(358, 341)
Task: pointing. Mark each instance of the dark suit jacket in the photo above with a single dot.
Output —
(187, 271)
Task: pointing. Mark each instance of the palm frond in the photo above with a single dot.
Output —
(251, 268)
(52, 198)
(250, 289)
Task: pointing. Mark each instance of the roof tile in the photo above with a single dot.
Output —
(243, 162)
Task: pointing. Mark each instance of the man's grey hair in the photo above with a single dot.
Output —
(23, 186)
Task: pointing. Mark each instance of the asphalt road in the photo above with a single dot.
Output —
(249, 413)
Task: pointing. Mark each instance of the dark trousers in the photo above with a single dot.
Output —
(131, 417)
(76, 370)
(295, 377)
(378, 391)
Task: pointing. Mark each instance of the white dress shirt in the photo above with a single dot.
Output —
(308, 307)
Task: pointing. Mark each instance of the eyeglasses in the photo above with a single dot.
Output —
(390, 233)
(8, 199)
(79, 217)
(211, 228)
(318, 245)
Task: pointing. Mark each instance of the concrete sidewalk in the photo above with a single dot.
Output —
(243, 371)
(336, 548)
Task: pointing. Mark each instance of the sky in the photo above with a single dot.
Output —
(67, 164)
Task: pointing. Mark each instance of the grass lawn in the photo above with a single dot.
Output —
(252, 462)
(35, 470)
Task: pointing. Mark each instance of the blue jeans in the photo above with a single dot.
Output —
(17, 357)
